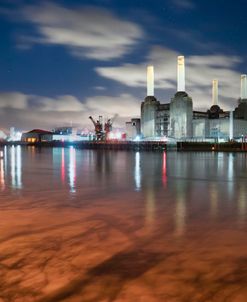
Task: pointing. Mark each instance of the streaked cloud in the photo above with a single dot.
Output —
(184, 4)
(29, 111)
(86, 32)
(200, 71)
(100, 88)
(64, 103)
(17, 100)
(13, 100)
(125, 105)
(134, 75)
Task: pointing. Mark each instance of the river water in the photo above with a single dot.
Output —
(88, 225)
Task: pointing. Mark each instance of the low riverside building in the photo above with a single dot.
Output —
(36, 136)
(133, 129)
(39, 135)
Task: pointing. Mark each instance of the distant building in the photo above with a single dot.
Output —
(178, 120)
(14, 135)
(181, 115)
(3, 136)
(36, 136)
(162, 120)
(133, 129)
(65, 130)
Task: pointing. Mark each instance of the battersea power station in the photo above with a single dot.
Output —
(177, 120)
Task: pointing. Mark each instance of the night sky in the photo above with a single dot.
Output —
(62, 61)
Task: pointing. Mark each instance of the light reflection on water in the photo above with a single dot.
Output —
(18, 167)
(2, 177)
(213, 181)
(72, 169)
(180, 215)
(137, 171)
(150, 208)
(62, 166)
(213, 191)
(164, 170)
(230, 175)
(242, 202)
(13, 159)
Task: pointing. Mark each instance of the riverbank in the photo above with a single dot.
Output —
(217, 147)
(140, 145)
(101, 145)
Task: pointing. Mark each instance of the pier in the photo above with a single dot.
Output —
(99, 145)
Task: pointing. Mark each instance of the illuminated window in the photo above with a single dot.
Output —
(31, 140)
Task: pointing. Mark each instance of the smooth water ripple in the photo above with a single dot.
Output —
(88, 225)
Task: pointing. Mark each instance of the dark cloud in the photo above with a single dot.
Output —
(184, 4)
(87, 32)
(25, 111)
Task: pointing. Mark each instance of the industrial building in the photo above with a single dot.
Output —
(36, 136)
(61, 134)
(177, 120)
(133, 129)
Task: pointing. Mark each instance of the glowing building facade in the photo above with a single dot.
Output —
(149, 107)
(181, 107)
(178, 120)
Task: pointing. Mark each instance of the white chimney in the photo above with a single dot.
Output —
(180, 74)
(150, 80)
(215, 97)
(243, 92)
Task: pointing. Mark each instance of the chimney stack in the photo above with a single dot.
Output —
(150, 80)
(180, 74)
(215, 98)
(243, 91)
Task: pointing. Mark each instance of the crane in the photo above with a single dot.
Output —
(108, 125)
(98, 128)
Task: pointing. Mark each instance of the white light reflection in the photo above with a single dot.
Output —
(137, 171)
(214, 199)
(230, 174)
(72, 169)
(2, 177)
(63, 166)
(5, 162)
(12, 163)
(5, 158)
(180, 215)
(16, 167)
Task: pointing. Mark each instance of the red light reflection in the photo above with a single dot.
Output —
(164, 176)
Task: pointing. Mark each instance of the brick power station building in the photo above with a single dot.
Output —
(177, 119)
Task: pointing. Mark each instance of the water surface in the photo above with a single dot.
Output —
(86, 225)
